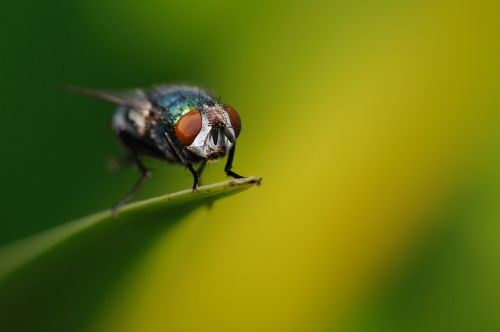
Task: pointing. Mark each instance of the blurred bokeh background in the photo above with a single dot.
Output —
(374, 124)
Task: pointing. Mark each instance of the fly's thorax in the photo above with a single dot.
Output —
(208, 131)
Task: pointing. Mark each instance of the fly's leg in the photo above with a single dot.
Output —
(128, 143)
(145, 173)
(200, 170)
(229, 164)
(178, 153)
(201, 167)
(182, 159)
(196, 177)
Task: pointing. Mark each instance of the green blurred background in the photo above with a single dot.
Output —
(374, 124)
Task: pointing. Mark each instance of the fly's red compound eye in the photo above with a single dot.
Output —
(234, 118)
(188, 127)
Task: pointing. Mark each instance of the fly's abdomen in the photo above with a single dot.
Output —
(131, 127)
(120, 120)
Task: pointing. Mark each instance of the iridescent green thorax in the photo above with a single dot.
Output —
(178, 100)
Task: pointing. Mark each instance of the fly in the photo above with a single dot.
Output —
(180, 124)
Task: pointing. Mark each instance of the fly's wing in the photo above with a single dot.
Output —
(135, 99)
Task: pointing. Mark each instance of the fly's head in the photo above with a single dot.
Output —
(209, 131)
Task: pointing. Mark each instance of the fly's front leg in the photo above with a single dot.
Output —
(196, 177)
(200, 169)
(182, 159)
(229, 164)
(177, 152)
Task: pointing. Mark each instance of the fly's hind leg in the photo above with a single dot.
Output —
(144, 173)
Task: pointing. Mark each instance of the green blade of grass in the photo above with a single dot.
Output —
(15, 255)
(58, 277)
